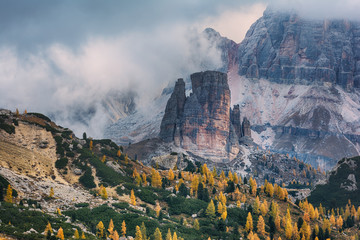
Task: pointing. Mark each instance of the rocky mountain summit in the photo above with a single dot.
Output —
(203, 123)
(285, 48)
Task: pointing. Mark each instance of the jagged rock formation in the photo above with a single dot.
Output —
(173, 112)
(246, 127)
(235, 120)
(285, 48)
(201, 123)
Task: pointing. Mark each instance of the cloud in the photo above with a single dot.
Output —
(70, 84)
(321, 9)
(234, 23)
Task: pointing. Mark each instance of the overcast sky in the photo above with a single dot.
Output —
(61, 55)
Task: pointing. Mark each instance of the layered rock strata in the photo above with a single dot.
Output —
(203, 123)
(286, 48)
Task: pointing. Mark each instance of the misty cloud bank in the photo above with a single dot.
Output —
(63, 58)
(70, 85)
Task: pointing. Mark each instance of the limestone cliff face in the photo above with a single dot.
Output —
(285, 48)
(206, 123)
(173, 112)
(203, 123)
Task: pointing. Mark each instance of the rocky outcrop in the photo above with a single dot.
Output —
(286, 48)
(173, 112)
(246, 128)
(203, 122)
(235, 120)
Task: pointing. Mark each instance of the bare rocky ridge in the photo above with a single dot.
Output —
(285, 48)
(201, 123)
(31, 151)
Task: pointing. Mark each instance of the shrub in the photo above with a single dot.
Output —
(61, 163)
(87, 180)
(80, 205)
(121, 205)
(39, 115)
(178, 205)
(10, 129)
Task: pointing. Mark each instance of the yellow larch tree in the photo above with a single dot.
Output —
(222, 175)
(138, 180)
(156, 179)
(236, 178)
(222, 198)
(138, 235)
(60, 234)
(9, 194)
(76, 234)
(123, 228)
(135, 173)
(115, 235)
(211, 180)
(143, 176)
(104, 194)
(58, 211)
(306, 216)
(157, 209)
(143, 231)
(339, 222)
(157, 234)
(243, 198)
(126, 159)
(264, 208)
(83, 236)
(91, 145)
(210, 210)
(118, 153)
(220, 209)
(256, 206)
(269, 190)
(230, 176)
(51, 194)
(277, 223)
(332, 220)
(48, 229)
(111, 227)
(274, 209)
(132, 198)
(288, 229)
(326, 225)
(236, 194)
(195, 183)
(196, 225)
(175, 236)
(214, 172)
(261, 226)
(253, 186)
(103, 159)
(171, 175)
(168, 235)
(224, 214)
(306, 230)
(249, 223)
(295, 232)
(100, 229)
